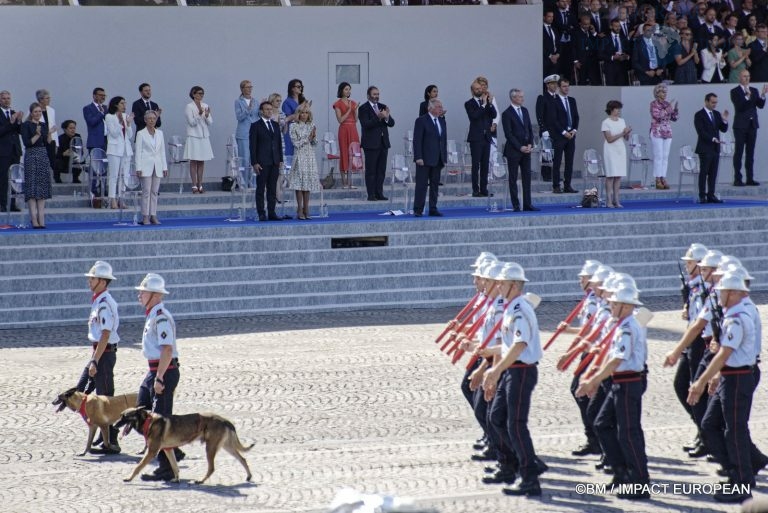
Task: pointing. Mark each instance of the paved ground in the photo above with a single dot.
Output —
(362, 400)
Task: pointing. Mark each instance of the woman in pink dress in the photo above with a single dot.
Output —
(346, 114)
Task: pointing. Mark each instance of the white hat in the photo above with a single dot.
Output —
(711, 259)
(491, 270)
(484, 257)
(480, 268)
(739, 271)
(695, 252)
(551, 78)
(101, 269)
(512, 271)
(153, 283)
(626, 295)
(624, 280)
(608, 282)
(731, 281)
(601, 273)
(729, 259)
(589, 267)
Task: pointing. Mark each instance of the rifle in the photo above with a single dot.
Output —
(685, 289)
(643, 316)
(590, 338)
(717, 318)
(567, 320)
(459, 316)
(479, 308)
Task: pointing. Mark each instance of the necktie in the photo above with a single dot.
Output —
(149, 107)
(437, 125)
(376, 108)
(597, 22)
(616, 43)
(746, 92)
(711, 117)
(568, 111)
(549, 32)
(8, 114)
(519, 113)
(269, 125)
(624, 28)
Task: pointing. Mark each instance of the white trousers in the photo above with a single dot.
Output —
(150, 187)
(660, 156)
(114, 163)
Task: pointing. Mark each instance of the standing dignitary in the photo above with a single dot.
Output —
(618, 424)
(708, 123)
(246, 113)
(481, 113)
(142, 105)
(745, 101)
(725, 426)
(518, 132)
(517, 375)
(49, 118)
(103, 323)
(10, 146)
(375, 122)
(543, 101)
(94, 114)
(158, 345)
(266, 159)
(551, 45)
(430, 152)
(151, 165)
(562, 124)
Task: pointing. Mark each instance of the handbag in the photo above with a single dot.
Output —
(329, 181)
(590, 199)
(227, 182)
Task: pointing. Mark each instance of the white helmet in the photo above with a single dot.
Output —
(484, 257)
(729, 259)
(512, 271)
(492, 270)
(627, 295)
(480, 268)
(153, 283)
(711, 259)
(731, 281)
(589, 267)
(737, 270)
(608, 282)
(695, 252)
(101, 269)
(601, 273)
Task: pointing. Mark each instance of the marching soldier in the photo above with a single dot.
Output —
(728, 412)
(103, 323)
(618, 424)
(516, 376)
(158, 345)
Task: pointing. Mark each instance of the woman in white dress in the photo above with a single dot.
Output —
(198, 148)
(615, 131)
(304, 177)
(119, 129)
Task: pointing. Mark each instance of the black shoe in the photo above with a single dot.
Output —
(14, 208)
(262, 217)
(417, 214)
(738, 183)
(529, 488)
(760, 464)
(692, 444)
(477, 195)
(607, 469)
(587, 448)
(179, 454)
(570, 190)
(57, 180)
(531, 209)
(702, 200)
(285, 218)
(76, 181)
(711, 459)
(642, 494)
(491, 469)
(372, 198)
(486, 455)
(516, 209)
(440, 184)
(723, 472)
(99, 440)
(713, 199)
(753, 183)
(382, 198)
(482, 195)
(435, 213)
(541, 467)
(163, 475)
(273, 217)
(480, 444)
(698, 452)
(503, 475)
(557, 190)
(109, 449)
(732, 498)
(487, 194)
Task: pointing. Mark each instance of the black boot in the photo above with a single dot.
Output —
(505, 474)
(530, 488)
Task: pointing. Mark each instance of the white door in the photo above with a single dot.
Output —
(349, 67)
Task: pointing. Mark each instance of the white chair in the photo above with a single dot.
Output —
(128, 187)
(330, 154)
(638, 156)
(689, 165)
(466, 160)
(453, 167)
(497, 175)
(408, 144)
(401, 178)
(176, 151)
(357, 165)
(15, 192)
(97, 177)
(594, 170)
(727, 149)
(78, 159)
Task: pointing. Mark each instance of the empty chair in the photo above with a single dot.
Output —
(689, 166)
(727, 149)
(176, 152)
(408, 143)
(330, 157)
(15, 193)
(97, 177)
(356, 164)
(497, 178)
(594, 172)
(128, 187)
(453, 168)
(401, 179)
(638, 156)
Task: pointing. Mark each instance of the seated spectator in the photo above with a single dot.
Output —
(712, 62)
(738, 58)
(645, 58)
(686, 55)
(585, 60)
(63, 152)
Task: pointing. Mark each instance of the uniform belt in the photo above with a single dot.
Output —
(732, 371)
(627, 376)
(154, 363)
(109, 348)
(522, 365)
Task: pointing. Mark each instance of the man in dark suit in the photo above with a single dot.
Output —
(518, 132)
(430, 153)
(542, 103)
(94, 113)
(564, 23)
(266, 145)
(614, 52)
(375, 121)
(481, 113)
(645, 58)
(10, 147)
(562, 124)
(759, 56)
(709, 123)
(550, 45)
(585, 53)
(745, 101)
(709, 29)
(142, 105)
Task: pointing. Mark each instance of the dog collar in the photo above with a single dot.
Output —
(145, 427)
(82, 412)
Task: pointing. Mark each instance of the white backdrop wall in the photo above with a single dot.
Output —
(76, 49)
(636, 112)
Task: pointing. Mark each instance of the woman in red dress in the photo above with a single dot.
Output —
(346, 114)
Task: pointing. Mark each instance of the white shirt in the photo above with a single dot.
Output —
(103, 317)
(159, 330)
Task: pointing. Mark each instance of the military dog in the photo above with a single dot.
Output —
(98, 411)
(165, 433)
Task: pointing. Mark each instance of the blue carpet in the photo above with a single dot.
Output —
(375, 216)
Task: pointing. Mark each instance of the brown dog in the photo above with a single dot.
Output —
(165, 433)
(98, 411)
